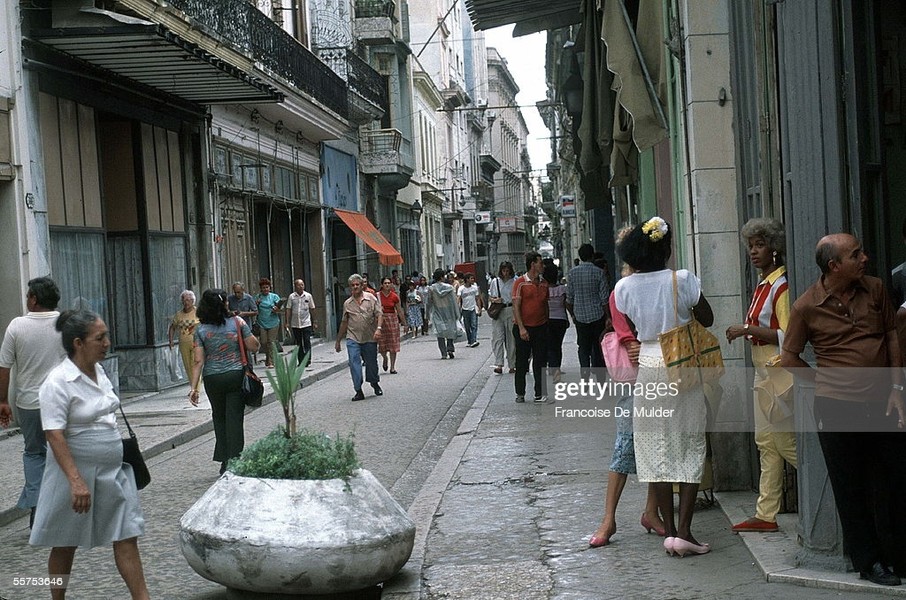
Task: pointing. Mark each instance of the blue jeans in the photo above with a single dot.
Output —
(470, 322)
(357, 352)
(33, 457)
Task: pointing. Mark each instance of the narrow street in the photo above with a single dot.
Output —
(504, 497)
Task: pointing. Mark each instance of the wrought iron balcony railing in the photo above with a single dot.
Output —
(381, 140)
(374, 8)
(241, 23)
(359, 75)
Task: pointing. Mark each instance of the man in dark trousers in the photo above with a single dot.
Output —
(586, 301)
(848, 318)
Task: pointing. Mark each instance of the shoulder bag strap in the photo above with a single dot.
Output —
(126, 421)
(675, 302)
(241, 342)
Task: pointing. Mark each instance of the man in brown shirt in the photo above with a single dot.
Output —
(361, 328)
(849, 320)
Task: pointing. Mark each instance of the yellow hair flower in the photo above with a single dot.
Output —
(655, 228)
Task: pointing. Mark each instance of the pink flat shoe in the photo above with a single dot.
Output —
(644, 522)
(684, 547)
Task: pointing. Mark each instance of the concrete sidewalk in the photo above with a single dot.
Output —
(509, 509)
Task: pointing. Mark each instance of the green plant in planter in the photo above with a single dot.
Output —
(285, 379)
(289, 454)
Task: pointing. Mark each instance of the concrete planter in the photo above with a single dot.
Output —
(296, 537)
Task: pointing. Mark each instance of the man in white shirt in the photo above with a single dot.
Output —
(33, 346)
(298, 317)
(471, 305)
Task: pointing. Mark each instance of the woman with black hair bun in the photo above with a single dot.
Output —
(668, 450)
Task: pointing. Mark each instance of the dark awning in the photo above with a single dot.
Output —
(529, 16)
(158, 58)
(362, 227)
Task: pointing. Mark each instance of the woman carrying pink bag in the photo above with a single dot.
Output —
(621, 356)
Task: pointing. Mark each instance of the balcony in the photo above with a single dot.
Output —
(241, 24)
(489, 166)
(381, 154)
(454, 95)
(367, 88)
(376, 22)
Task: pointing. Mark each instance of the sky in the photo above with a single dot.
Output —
(525, 59)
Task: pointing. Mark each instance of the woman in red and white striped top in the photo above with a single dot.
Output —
(765, 323)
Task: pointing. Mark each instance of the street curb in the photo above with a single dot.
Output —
(774, 553)
(407, 584)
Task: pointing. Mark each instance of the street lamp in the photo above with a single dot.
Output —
(416, 209)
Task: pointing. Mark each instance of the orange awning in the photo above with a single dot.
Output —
(362, 227)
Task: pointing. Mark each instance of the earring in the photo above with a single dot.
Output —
(774, 258)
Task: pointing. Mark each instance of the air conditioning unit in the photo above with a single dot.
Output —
(481, 103)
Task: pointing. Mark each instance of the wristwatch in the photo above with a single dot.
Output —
(897, 387)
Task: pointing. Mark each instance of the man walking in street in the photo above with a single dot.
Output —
(530, 314)
(361, 328)
(242, 304)
(848, 318)
(470, 304)
(298, 317)
(32, 346)
(586, 301)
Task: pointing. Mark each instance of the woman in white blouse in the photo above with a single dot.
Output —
(88, 495)
(668, 450)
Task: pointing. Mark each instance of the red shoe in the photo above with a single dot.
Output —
(644, 522)
(755, 524)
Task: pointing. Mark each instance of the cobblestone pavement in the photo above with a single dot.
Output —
(398, 438)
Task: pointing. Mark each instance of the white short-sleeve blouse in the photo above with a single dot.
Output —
(647, 299)
(71, 401)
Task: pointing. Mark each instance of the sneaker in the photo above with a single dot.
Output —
(377, 389)
(358, 396)
(520, 399)
(540, 399)
(512, 370)
(474, 344)
(755, 524)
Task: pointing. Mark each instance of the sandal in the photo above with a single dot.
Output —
(393, 371)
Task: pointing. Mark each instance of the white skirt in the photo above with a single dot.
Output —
(669, 443)
(115, 512)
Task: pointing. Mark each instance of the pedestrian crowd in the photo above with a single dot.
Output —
(65, 403)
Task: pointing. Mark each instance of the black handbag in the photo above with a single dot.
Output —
(132, 455)
(252, 390)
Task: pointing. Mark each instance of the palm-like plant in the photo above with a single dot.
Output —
(285, 380)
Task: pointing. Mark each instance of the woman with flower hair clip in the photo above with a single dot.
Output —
(670, 443)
